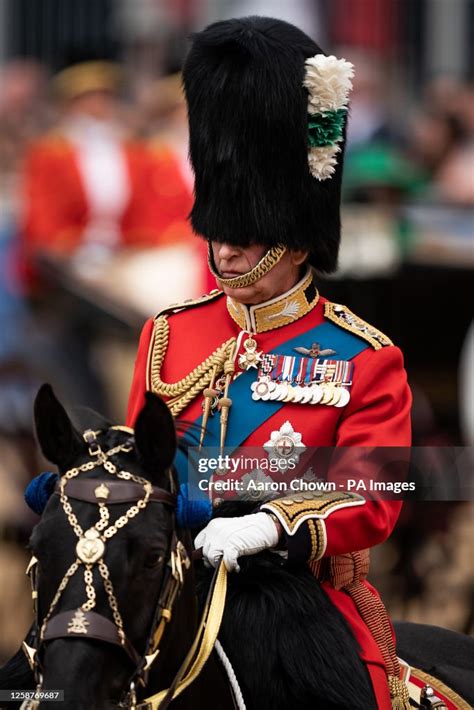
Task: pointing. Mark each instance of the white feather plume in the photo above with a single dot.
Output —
(322, 161)
(328, 81)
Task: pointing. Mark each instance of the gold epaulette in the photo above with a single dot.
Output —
(190, 303)
(344, 318)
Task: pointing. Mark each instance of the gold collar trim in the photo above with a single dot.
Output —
(279, 311)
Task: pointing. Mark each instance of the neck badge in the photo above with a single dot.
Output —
(251, 357)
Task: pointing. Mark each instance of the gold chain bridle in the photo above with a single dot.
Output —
(90, 550)
(91, 543)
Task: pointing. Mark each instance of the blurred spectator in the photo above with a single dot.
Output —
(164, 120)
(88, 187)
(377, 173)
(454, 180)
(23, 113)
(371, 24)
(377, 180)
(442, 93)
(441, 140)
(369, 116)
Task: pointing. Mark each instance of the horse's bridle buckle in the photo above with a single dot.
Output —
(30, 654)
(179, 559)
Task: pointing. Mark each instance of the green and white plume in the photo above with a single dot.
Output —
(328, 82)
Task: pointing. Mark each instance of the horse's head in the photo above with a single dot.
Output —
(108, 555)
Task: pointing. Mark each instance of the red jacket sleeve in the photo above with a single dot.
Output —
(378, 415)
(137, 393)
(54, 212)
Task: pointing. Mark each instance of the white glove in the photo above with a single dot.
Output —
(232, 537)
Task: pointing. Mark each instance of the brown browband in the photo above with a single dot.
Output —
(94, 490)
(93, 626)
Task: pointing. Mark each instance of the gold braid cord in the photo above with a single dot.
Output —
(347, 572)
(181, 393)
(266, 263)
(374, 614)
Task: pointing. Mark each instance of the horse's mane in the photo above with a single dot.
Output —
(275, 617)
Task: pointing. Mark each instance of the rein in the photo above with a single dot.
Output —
(83, 622)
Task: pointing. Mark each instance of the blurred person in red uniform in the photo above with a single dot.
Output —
(278, 365)
(88, 187)
(165, 123)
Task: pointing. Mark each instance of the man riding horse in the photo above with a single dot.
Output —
(266, 359)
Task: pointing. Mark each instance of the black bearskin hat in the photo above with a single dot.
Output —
(248, 120)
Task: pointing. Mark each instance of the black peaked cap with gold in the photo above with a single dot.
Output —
(249, 140)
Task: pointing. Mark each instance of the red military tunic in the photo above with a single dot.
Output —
(377, 415)
(56, 209)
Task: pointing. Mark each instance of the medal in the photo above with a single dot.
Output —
(282, 391)
(305, 380)
(285, 445)
(344, 398)
(298, 393)
(316, 393)
(290, 394)
(307, 395)
(251, 357)
(262, 388)
(328, 392)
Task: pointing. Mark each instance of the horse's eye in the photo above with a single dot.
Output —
(154, 560)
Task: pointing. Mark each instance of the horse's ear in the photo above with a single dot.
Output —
(155, 436)
(60, 442)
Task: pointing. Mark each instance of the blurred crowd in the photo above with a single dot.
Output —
(95, 191)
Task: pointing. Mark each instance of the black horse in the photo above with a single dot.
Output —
(286, 642)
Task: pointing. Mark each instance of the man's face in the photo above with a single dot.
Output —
(234, 261)
(101, 105)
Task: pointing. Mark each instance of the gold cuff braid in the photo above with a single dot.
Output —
(317, 532)
(292, 511)
(266, 263)
(181, 393)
